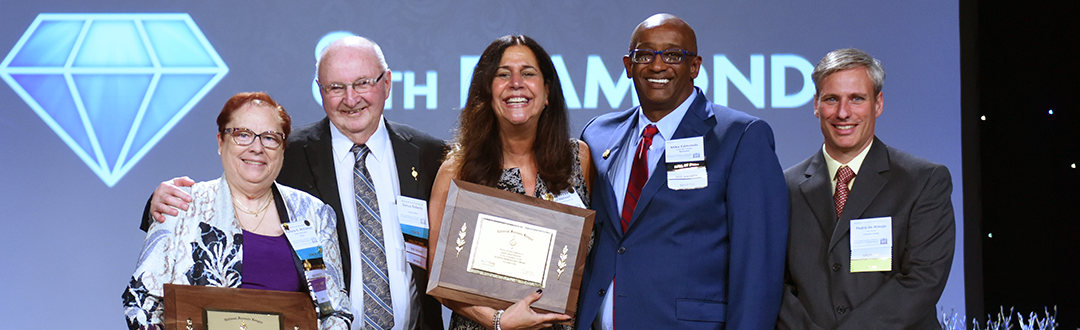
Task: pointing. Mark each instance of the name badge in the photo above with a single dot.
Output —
(569, 197)
(412, 214)
(871, 245)
(413, 217)
(303, 238)
(686, 163)
(305, 241)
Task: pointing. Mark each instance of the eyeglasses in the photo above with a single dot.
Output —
(669, 56)
(360, 86)
(244, 137)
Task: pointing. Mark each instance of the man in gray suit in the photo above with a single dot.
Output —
(872, 234)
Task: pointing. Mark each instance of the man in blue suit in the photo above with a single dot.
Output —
(692, 209)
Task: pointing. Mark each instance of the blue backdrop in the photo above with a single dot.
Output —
(98, 109)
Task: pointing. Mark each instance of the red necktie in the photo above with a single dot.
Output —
(843, 176)
(639, 173)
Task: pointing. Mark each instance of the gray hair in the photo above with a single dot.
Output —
(847, 58)
(357, 42)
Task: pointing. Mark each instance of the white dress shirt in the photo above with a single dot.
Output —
(619, 174)
(383, 169)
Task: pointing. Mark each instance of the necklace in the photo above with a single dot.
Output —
(255, 213)
(249, 211)
(263, 217)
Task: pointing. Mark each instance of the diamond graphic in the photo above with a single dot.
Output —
(112, 85)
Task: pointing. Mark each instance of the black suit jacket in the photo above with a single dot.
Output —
(820, 292)
(309, 166)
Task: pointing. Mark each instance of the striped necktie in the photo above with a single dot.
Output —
(378, 309)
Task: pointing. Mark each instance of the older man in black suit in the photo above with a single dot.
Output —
(872, 233)
(398, 162)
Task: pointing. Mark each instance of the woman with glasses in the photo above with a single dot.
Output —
(514, 135)
(241, 230)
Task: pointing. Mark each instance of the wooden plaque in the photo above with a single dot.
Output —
(193, 303)
(482, 224)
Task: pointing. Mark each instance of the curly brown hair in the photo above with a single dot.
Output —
(478, 148)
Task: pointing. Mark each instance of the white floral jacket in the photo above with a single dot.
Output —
(203, 246)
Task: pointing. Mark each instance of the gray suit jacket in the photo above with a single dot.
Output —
(820, 292)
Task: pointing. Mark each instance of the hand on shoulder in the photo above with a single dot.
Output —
(169, 198)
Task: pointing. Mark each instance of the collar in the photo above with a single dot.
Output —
(854, 164)
(669, 123)
(379, 143)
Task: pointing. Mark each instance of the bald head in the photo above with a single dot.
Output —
(352, 44)
(356, 113)
(671, 22)
(663, 84)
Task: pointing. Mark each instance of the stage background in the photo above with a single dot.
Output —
(72, 236)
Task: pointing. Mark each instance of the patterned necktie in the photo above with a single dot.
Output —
(378, 310)
(843, 176)
(639, 173)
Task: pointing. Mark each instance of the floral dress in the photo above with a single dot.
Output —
(511, 181)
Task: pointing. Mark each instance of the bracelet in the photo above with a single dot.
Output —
(495, 319)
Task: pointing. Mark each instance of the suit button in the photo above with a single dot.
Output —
(840, 309)
(621, 250)
(835, 267)
(602, 292)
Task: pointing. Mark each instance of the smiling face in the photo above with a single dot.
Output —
(356, 114)
(661, 86)
(847, 108)
(252, 165)
(518, 91)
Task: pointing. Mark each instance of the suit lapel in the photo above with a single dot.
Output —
(871, 178)
(614, 148)
(816, 189)
(696, 122)
(407, 157)
(319, 154)
(614, 145)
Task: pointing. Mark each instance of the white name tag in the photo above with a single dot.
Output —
(686, 163)
(871, 245)
(305, 241)
(412, 215)
(569, 198)
(302, 236)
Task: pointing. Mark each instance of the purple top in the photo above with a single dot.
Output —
(268, 263)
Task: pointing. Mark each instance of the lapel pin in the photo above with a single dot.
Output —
(607, 153)
(414, 173)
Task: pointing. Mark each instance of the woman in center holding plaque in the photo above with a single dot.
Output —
(244, 230)
(515, 136)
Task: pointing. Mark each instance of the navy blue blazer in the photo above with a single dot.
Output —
(706, 258)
